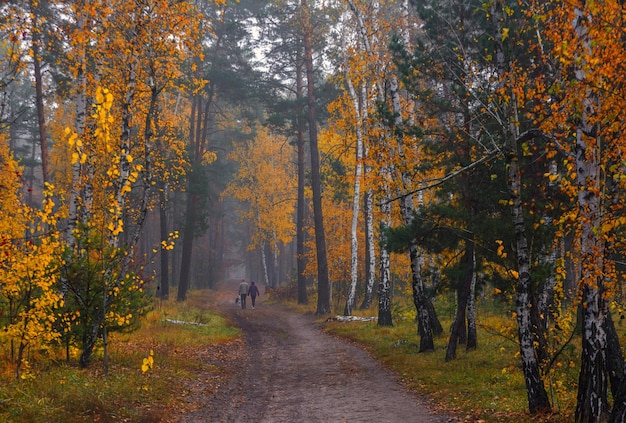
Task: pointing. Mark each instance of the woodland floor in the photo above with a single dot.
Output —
(287, 370)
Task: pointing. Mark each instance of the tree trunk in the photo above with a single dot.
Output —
(198, 127)
(266, 278)
(614, 357)
(301, 208)
(91, 338)
(425, 311)
(472, 336)
(384, 281)
(370, 251)
(356, 202)
(420, 300)
(463, 293)
(592, 400)
(275, 267)
(188, 235)
(78, 187)
(117, 216)
(535, 390)
(41, 114)
(370, 261)
(323, 283)
(300, 225)
(164, 285)
(617, 376)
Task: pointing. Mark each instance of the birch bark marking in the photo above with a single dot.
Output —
(370, 248)
(535, 390)
(77, 186)
(592, 399)
(384, 280)
(266, 278)
(368, 212)
(358, 171)
(472, 337)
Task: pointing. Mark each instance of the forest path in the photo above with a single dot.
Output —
(290, 371)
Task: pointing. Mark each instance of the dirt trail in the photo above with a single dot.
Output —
(292, 372)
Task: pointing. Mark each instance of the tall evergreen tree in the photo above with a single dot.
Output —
(284, 81)
(323, 283)
(226, 67)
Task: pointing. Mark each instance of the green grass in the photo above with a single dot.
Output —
(59, 392)
(482, 385)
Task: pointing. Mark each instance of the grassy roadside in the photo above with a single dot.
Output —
(61, 392)
(485, 385)
(479, 386)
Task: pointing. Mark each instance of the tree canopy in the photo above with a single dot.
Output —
(417, 150)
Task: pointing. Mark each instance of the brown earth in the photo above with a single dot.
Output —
(288, 370)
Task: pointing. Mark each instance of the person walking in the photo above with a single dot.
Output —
(243, 292)
(254, 291)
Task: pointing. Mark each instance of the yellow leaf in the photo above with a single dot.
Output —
(505, 33)
(607, 227)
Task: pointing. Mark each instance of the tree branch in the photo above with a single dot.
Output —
(432, 183)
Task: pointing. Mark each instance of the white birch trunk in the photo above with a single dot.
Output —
(592, 401)
(535, 390)
(370, 247)
(472, 337)
(384, 280)
(266, 277)
(275, 279)
(356, 199)
(81, 116)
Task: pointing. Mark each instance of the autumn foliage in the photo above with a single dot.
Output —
(469, 149)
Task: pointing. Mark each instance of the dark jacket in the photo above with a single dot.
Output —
(254, 291)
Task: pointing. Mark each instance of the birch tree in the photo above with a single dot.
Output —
(371, 41)
(356, 199)
(592, 403)
(587, 89)
(105, 173)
